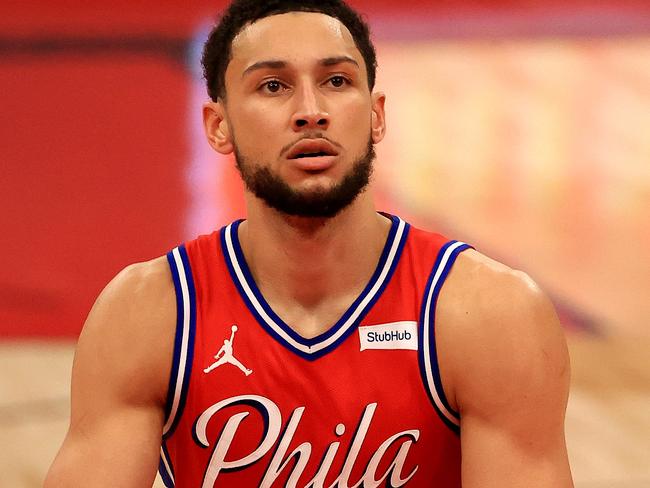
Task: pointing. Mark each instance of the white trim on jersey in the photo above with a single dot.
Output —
(310, 349)
(427, 339)
(182, 365)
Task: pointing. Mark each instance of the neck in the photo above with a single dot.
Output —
(308, 266)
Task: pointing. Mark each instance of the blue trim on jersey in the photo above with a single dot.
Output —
(354, 308)
(181, 326)
(165, 475)
(428, 352)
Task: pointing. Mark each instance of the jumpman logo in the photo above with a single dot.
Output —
(225, 356)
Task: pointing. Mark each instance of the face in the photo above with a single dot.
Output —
(298, 114)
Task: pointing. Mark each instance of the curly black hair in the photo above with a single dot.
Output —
(217, 49)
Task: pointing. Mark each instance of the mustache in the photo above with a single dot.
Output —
(312, 135)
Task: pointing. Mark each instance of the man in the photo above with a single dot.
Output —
(364, 369)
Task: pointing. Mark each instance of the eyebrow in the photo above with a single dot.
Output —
(338, 60)
(273, 64)
(279, 64)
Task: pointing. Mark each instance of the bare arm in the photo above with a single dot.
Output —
(119, 384)
(509, 377)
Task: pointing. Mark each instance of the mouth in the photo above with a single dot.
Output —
(312, 148)
(311, 155)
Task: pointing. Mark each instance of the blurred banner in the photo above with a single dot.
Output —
(523, 129)
(538, 152)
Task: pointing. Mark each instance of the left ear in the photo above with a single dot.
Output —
(378, 121)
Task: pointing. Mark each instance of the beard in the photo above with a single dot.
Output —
(321, 202)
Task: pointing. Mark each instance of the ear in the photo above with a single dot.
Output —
(216, 127)
(378, 121)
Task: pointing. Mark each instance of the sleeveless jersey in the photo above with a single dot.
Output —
(253, 404)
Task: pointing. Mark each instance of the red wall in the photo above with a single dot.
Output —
(180, 18)
(93, 151)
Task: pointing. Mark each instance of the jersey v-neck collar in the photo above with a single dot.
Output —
(322, 344)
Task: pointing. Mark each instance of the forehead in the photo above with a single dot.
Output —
(292, 36)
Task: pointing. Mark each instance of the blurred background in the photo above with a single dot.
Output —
(521, 127)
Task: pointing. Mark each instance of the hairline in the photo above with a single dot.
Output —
(296, 10)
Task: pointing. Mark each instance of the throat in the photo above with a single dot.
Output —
(310, 279)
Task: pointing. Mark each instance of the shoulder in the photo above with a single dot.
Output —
(481, 285)
(128, 335)
(499, 333)
(136, 301)
(142, 279)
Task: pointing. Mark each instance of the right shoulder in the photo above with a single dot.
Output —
(140, 287)
(128, 336)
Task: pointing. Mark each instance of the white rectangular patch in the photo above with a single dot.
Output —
(396, 335)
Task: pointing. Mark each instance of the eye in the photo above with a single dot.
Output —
(338, 81)
(272, 86)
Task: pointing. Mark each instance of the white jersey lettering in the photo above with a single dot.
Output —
(280, 460)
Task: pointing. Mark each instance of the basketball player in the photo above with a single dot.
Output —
(375, 353)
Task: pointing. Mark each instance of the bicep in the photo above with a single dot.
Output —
(513, 452)
(119, 379)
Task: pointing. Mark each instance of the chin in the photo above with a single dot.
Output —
(314, 182)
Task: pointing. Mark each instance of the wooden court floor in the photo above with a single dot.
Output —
(608, 418)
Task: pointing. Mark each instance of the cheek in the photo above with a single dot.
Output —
(256, 128)
(356, 109)
(255, 119)
(355, 118)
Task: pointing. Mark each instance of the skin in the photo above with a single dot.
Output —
(503, 358)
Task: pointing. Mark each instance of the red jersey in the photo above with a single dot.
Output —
(253, 404)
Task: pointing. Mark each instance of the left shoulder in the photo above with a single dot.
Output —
(501, 295)
(498, 335)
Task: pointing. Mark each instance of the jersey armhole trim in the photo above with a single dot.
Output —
(165, 467)
(427, 354)
(184, 338)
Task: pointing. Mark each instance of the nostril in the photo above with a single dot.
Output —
(301, 122)
(322, 122)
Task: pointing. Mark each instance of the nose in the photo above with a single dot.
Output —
(309, 113)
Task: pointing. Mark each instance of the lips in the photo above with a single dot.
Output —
(311, 148)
